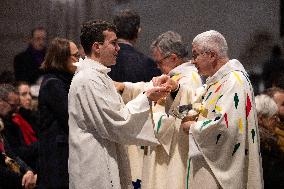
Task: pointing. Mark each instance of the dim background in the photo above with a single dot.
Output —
(251, 27)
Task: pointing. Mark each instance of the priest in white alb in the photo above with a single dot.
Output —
(99, 121)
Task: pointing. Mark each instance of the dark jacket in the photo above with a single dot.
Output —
(133, 66)
(53, 108)
(15, 138)
(272, 159)
(26, 65)
(8, 178)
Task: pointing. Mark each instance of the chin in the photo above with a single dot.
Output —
(112, 63)
(109, 64)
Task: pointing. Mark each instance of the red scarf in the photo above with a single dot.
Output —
(1, 145)
(26, 128)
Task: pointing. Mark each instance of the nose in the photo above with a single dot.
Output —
(117, 48)
(29, 96)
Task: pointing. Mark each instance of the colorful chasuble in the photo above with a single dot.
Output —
(224, 143)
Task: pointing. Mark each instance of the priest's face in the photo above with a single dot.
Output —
(164, 63)
(108, 50)
(202, 61)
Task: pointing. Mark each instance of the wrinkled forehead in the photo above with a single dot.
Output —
(196, 47)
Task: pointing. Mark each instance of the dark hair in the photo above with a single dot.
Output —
(92, 31)
(36, 29)
(5, 90)
(57, 55)
(17, 84)
(127, 23)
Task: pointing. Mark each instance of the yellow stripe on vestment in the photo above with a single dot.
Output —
(238, 77)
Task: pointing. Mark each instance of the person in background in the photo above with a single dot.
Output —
(277, 94)
(53, 109)
(27, 64)
(272, 155)
(20, 127)
(14, 172)
(27, 109)
(25, 95)
(131, 65)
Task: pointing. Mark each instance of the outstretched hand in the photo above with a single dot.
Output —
(156, 93)
(119, 86)
(166, 81)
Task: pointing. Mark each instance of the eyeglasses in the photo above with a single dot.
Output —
(196, 55)
(76, 55)
(13, 105)
(161, 60)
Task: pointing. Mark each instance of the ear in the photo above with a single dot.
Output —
(174, 56)
(96, 48)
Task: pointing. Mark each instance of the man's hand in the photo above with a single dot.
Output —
(156, 93)
(119, 86)
(166, 81)
(29, 180)
(160, 80)
(186, 124)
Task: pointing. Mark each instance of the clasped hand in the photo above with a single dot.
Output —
(166, 81)
(163, 85)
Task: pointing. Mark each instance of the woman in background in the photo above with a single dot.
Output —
(25, 95)
(272, 155)
(53, 108)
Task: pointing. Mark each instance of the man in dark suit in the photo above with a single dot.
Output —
(131, 65)
(27, 63)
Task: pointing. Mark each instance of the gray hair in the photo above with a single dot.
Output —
(5, 90)
(265, 105)
(168, 43)
(212, 41)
